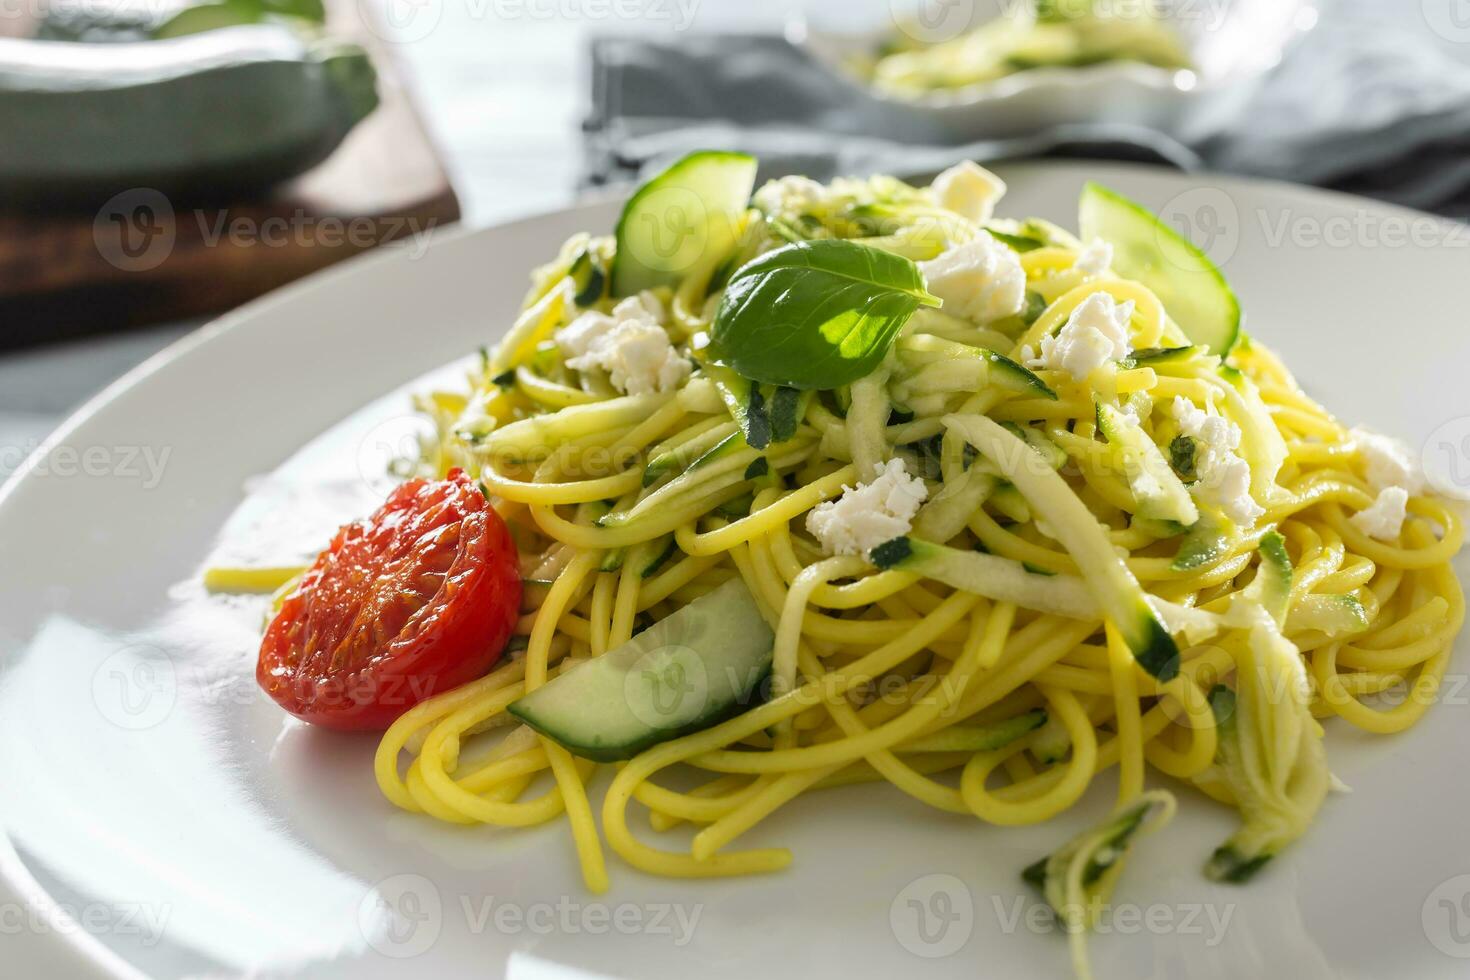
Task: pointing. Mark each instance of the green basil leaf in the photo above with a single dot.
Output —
(815, 315)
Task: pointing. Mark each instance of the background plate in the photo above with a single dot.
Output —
(161, 818)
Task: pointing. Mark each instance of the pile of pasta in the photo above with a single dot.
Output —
(893, 673)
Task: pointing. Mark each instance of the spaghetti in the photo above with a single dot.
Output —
(890, 674)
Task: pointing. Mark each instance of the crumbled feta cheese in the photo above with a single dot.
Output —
(969, 190)
(631, 345)
(1389, 461)
(980, 280)
(1095, 333)
(1224, 478)
(870, 513)
(1384, 520)
(790, 195)
(1095, 259)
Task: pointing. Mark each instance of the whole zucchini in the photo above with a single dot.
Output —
(225, 111)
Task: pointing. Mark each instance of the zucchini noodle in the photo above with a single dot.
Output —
(890, 674)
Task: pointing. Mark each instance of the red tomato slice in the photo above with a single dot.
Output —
(417, 599)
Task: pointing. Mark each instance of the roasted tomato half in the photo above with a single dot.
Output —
(417, 599)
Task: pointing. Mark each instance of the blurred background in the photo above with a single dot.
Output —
(162, 161)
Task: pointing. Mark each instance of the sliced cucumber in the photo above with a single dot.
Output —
(680, 218)
(1147, 250)
(1160, 494)
(995, 578)
(684, 673)
(1118, 594)
(1335, 614)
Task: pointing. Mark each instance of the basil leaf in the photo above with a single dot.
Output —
(815, 315)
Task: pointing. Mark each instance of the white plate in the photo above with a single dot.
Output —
(1232, 44)
(193, 830)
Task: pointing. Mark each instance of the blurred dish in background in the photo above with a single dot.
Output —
(1028, 36)
(990, 68)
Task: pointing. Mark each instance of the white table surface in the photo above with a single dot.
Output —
(503, 85)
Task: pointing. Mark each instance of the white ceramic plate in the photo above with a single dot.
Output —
(1232, 44)
(191, 829)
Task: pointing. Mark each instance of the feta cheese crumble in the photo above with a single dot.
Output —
(1224, 478)
(631, 345)
(1384, 519)
(789, 195)
(870, 513)
(1389, 461)
(1095, 259)
(980, 280)
(1095, 333)
(969, 190)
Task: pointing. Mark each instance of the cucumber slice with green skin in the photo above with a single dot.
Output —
(1147, 250)
(1118, 594)
(1205, 543)
(1336, 614)
(680, 218)
(978, 738)
(1160, 494)
(1000, 579)
(690, 670)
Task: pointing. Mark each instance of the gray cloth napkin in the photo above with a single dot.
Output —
(1358, 105)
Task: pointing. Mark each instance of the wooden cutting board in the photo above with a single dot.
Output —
(137, 260)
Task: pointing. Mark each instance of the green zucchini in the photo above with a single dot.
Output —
(1335, 614)
(230, 110)
(1159, 493)
(688, 671)
(978, 738)
(588, 277)
(1117, 592)
(995, 578)
(1205, 543)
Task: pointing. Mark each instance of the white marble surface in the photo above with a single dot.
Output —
(503, 86)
